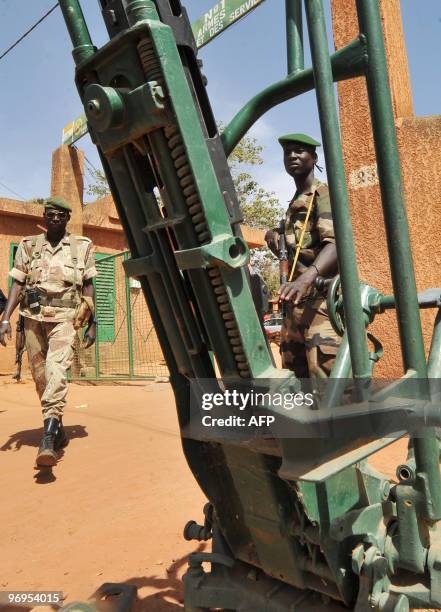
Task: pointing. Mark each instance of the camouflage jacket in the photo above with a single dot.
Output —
(55, 274)
(318, 233)
(320, 228)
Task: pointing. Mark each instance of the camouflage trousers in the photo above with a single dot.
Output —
(50, 353)
(308, 342)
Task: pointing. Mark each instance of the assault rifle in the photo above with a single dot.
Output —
(19, 346)
(283, 262)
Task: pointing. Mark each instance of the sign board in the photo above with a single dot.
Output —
(221, 16)
(75, 130)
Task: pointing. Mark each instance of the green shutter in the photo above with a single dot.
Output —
(105, 297)
(12, 251)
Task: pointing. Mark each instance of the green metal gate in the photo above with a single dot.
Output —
(127, 346)
(298, 519)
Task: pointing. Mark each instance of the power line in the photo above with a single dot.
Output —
(12, 191)
(91, 165)
(28, 31)
(94, 168)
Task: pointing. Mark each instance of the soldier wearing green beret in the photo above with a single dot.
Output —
(309, 344)
(53, 283)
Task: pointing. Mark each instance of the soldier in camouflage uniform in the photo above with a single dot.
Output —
(52, 275)
(309, 344)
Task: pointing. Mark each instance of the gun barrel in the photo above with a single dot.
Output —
(283, 262)
(18, 361)
(283, 269)
(19, 346)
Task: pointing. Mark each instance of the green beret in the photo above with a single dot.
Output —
(300, 138)
(57, 202)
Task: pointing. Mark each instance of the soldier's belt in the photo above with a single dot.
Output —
(67, 302)
(59, 302)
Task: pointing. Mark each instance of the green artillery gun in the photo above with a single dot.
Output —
(298, 519)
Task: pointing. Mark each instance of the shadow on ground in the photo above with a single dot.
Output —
(32, 437)
(169, 595)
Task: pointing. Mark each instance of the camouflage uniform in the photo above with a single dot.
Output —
(58, 273)
(308, 341)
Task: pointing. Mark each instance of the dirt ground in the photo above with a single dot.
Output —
(114, 507)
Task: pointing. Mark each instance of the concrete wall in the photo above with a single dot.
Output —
(17, 219)
(419, 140)
(67, 181)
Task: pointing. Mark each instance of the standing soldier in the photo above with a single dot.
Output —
(309, 344)
(52, 275)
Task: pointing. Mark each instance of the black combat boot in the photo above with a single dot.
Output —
(47, 455)
(61, 439)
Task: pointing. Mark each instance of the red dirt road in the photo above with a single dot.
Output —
(114, 508)
(117, 502)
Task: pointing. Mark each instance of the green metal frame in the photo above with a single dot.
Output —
(294, 36)
(306, 513)
(129, 322)
(131, 359)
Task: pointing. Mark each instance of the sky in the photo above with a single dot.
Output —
(38, 96)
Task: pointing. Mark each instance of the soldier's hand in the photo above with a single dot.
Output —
(5, 329)
(90, 335)
(293, 292)
(83, 313)
(272, 240)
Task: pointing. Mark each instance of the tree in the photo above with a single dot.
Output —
(99, 187)
(260, 208)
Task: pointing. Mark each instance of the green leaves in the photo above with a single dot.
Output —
(99, 187)
(260, 208)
